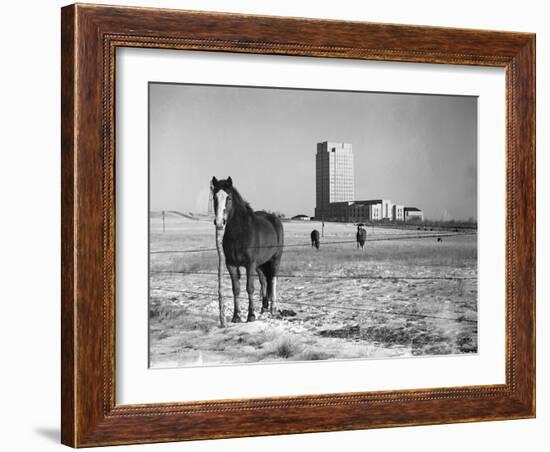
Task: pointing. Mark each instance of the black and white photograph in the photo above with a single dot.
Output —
(275, 226)
(292, 225)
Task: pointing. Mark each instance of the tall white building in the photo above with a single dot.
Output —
(334, 175)
(335, 190)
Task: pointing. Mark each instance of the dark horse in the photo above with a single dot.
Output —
(361, 236)
(315, 239)
(253, 240)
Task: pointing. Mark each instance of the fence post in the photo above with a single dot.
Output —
(219, 249)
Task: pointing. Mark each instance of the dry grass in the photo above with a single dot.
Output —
(453, 251)
(286, 347)
(314, 355)
(334, 317)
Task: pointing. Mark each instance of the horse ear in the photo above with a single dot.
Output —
(230, 182)
(214, 182)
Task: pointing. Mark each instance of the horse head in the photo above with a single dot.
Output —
(222, 191)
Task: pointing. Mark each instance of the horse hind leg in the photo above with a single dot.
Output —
(273, 307)
(272, 282)
(263, 289)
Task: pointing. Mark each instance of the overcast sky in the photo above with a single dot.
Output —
(417, 150)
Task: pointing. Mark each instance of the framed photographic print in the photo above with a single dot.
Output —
(281, 225)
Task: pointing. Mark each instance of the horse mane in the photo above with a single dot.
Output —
(239, 202)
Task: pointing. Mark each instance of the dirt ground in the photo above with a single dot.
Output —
(398, 297)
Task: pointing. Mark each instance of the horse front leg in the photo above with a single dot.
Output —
(236, 286)
(250, 291)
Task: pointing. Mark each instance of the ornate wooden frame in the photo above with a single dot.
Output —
(90, 34)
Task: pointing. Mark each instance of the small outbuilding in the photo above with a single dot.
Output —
(413, 213)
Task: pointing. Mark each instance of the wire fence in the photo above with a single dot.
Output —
(324, 306)
(329, 277)
(388, 237)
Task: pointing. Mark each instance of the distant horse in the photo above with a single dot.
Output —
(315, 241)
(253, 240)
(361, 236)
